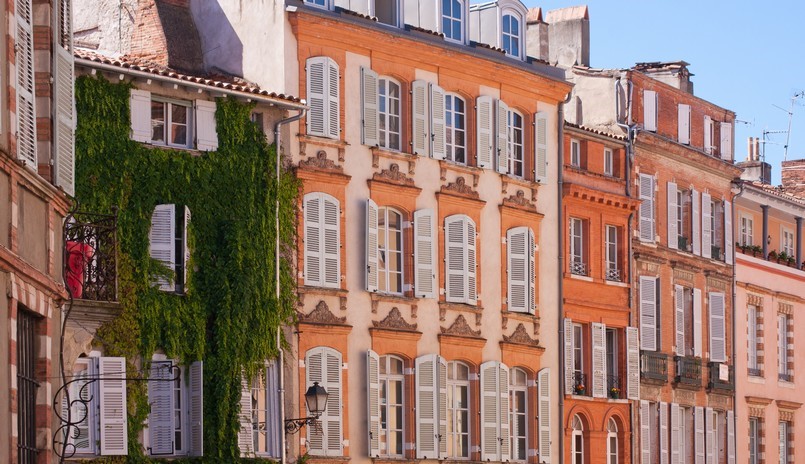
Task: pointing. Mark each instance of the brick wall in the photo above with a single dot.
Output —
(793, 175)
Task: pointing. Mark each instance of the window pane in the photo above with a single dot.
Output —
(157, 121)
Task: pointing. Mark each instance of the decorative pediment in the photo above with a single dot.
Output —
(520, 336)
(460, 187)
(393, 175)
(519, 200)
(395, 321)
(321, 314)
(320, 163)
(461, 328)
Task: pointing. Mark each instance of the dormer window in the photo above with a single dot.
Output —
(452, 16)
(387, 12)
(318, 3)
(510, 39)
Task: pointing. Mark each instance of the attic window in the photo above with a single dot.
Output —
(388, 12)
(451, 19)
(510, 39)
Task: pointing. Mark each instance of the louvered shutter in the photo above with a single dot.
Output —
(695, 226)
(645, 432)
(112, 394)
(675, 448)
(490, 411)
(725, 128)
(519, 272)
(472, 294)
(245, 433)
(437, 122)
(369, 116)
(419, 113)
(196, 371)
(679, 311)
(186, 248)
(25, 88)
(317, 96)
(708, 141)
(673, 229)
(663, 433)
(730, 437)
(206, 131)
(373, 402)
(313, 239)
(161, 243)
(485, 124)
(140, 109)
(333, 92)
(650, 110)
(632, 364)
(455, 259)
(599, 353)
(64, 120)
(532, 272)
(569, 356)
(427, 407)
(711, 453)
(707, 214)
(648, 313)
(441, 375)
(315, 371)
(684, 123)
(371, 246)
(502, 134)
(275, 427)
(544, 414)
(541, 147)
(160, 398)
(504, 412)
(323, 365)
(646, 208)
(697, 322)
(728, 243)
(331, 239)
(424, 254)
(718, 345)
(699, 435)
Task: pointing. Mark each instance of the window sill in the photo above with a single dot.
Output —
(760, 380)
(580, 277)
(190, 150)
(785, 384)
(322, 290)
(392, 298)
(615, 283)
(463, 307)
(323, 141)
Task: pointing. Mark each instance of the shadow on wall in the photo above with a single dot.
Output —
(221, 48)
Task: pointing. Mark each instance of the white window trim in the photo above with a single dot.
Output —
(512, 423)
(577, 432)
(577, 255)
(168, 120)
(384, 210)
(789, 247)
(520, 42)
(462, 20)
(782, 344)
(609, 162)
(452, 411)
(612, 434)
(384, 140)
(510, 130)
(749, 220)
(610, 261)
(575, 153)
(384, 403)
(450, 148)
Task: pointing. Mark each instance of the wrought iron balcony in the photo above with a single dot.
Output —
(90, 256)
(580, 386)
(614, 389)
(722, 377)
(754, 372)
(688, 371)
(614, 275)
(578, 268)
(654, 366)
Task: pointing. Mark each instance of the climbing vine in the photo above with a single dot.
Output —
(229, 316)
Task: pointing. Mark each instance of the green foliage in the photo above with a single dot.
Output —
(230, 314)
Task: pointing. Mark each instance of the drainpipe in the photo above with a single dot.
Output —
(560, 275)
(734, 297)
(281, 365)
(765, 244)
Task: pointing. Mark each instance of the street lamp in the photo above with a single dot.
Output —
(316, 399)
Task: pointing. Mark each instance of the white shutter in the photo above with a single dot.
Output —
(369, 116)
(707, 214)
(569, 356)
(684, 123)
(83, 433)
(490, 411)
(650, 110)
(675, 448)
(648, 313)
(373, 402)
(245, 433)
(160, 399)
(544, 414)
(698, 442)
(472, 294)
(646, 208)
(322, 240)
(532, 272)
(63, 101)
(599, 353)
(697, 323)
(519, 269)
(317, 98)
(206, 130)
(186, 248)
(455, 259)
(728, 244)
(485, 123)
(502, 131)
(673, 229)
(708, 141)
(632, 364)
(25, 88)
(421, 129)
(113, 412)
(725, 128)
(645, 432)
(541, 147)
(140, 107)
(679, 311)
(312, 238)
(323, 365)
(427, 412)
(371, 246)
(695, 227)
(663, 433)
(504, 412)
(718, 345)
(710, 441)
(441, 375)
(315, 372)
(196, 371)
(437, 122)
(730, 437)
(162, 238)
(333, 129)
(331, 239)
(424, 254)
(429, 17)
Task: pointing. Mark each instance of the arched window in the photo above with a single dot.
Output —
(612, 442)
(389, 251)
(515, 141)
(519, 414)
(455, 122)
(392, 407)
(452, 15)
(388, 110)
(458, 410)
(510, 39)
(577, 441)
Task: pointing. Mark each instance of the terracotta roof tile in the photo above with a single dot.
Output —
(777, 191)
(595, 131)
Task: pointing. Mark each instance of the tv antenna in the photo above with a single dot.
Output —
(790, 112)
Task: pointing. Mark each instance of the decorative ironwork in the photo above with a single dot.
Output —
(654, 366)
(784, 376)
(90, 255)
(578, 268)
(294, 425)
(722, 377)
(580, 386)
(27, 385)
(613, 275)
(614, 390)
(688, 370)
(715, 252)
(753, 372)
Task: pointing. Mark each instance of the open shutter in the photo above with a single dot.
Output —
(331, 236)
(373, 402)
(437, 122)
(471, 285)
(317, 99)
(730, 437)
(504, 435)
(502, 134)
(427, 407)
(650, 110)
(186, 248)
(369, 116)
(645, 432)
(679, 311)
(421, 129)
(441, 376)
(728, 244)
(371, 246)
(541, 147)
(490, 411)
(698, 442)
(197, 408)
(161, 243)
(460, 250)
(485, 124)
(64, 119)
(315, 372)
(245, 433)
(675, 451)
(313, 239)
(697, 322)
(25, 88)
(569, 356)
(673, 229)
(275, 427)
(696, 219)
(707, 213)
(648, 313)
(140, 107)
(725, 128)
(333, 435)
(632, 364)
(206, 131)
(708, 137)
(684, 123)
(333, 91)
(544, 414)
(160, 398)
(646, 208)
(718, 346)
(663, 433)
(519, 260)
(424, 254)
(112, 393)
(711, 452)
(532, 272)
(599, 353)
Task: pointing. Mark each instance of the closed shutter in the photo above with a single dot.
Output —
(331, 236)
(196, 408)
(645, 432)
(718, 345)
(140, 108)
(532, 272)
(64, 120)
(455, 259)
(541, 147)
(646, 208)
(710, 453)
(485, 124)
(697, 322)
(323, 365)
(371, 246)
(424, 254)
(599, 336)
(161, 243)
(725, 128)
(313, 239)
(82, 434)
(245, 433)
(519, 272)
(684, 123)
(472, 290)
(315, 371)
(544, 414)
(728, 243)
(650, 110)
(673, 228)
(632, 364)
(369, 116)
(25, 88)
(502, 131)
(333, 129)
(675, 448)
(679, 311)
(437, 125)
(206, 131)
(427, 407)
(421, 129)
(113, 412)
(317, 98)
(663, 433)
(569, 356)
(490, 411)
(730, 437)
(441, 371)
(504, 412)
(160, 398)
(698, 442)
(373, 402)
(707, 214)
(648, 313)
(708, 136)
(696, 219)
(186, 248)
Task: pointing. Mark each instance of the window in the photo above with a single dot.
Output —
(609, 162)
(511, 35)
(168, 244)
(83, 412)
(27, 385)
(718, 330)
(687, 340)
(782, 347)
(455, 134)
(392, 409)
(578, 263)
(390, 251)
(577, 441)
(458, 410)
(579, 382)
(575, 153)
(709, 135)
(647, 218)
(388, 110)
(515, 142)
(323, 366)
(317, 3)
(322, 240)
(614, 384)
(170, 122)
(783, 434)
(787, 241)
(387, 12)
(323, 116)
(612, 442)
(747, 226)
(175, 397)
(682, 200)
(754, 440)
(460, 259)
(520, 269)
(613, 272)
(753, 365)
(519, 412)
(452, 27)
(260, 429)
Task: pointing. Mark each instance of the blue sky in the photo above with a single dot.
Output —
(746, 56)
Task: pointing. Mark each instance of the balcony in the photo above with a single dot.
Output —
(578, 268)
(580, 386)
(688, 371)
(614, 275)
(722, 377)
(614, 389)
(90, 256)
(779, 258)
(654, 366)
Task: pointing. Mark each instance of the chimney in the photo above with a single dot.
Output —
(793, 176)
(569, 36)
(673, 73)
(165, 33)
(536, 35)
(755, 170)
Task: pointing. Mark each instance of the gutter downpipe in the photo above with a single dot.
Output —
(280, 358)
(734, 297)
(560, 275)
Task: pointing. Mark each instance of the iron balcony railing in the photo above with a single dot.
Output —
(614, 275)
(654, 366)
(578, 268)
(688, 370)
(614, 389)
(90, 256)
(580, 385)
(754, 372)
(722, 377)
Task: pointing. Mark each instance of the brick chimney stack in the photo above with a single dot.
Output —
(165, 33)
(793, 175)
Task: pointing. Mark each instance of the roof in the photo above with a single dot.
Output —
(567, 14)
(223, 82)
(534, 15)
(596, 131)
(777, 191)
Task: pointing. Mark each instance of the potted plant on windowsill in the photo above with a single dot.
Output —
(756, 250)
(614, 393)
(772, 255)
(579, 389)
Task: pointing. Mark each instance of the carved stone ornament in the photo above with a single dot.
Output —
(519, 200)
(322, 315)
(393, 174)
(460, 187)
(461, 328)
(520, 336)
(320, 162)
(395, 321)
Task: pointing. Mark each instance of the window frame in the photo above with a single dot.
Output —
(747, 229)
(578, 351)
(515, 432)
(383, 231)
(612, 264)
(384, 117)
(783, 431)
(609, 162)
(167, 122)
(453, 19)
(782, 347)
(453, 412)
(610, 435)
(575, 153)
(752, 363)
(324, 4)
(787, 240)
(518, 37)
(384, 378)
(451, 132)
(577, 252)
(577, 455)
(754, 438)
(398, 13)
(513, 146)
(181, 384)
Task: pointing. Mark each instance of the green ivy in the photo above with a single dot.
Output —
(230, 314)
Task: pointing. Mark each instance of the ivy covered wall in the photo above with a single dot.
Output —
(229, 316)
